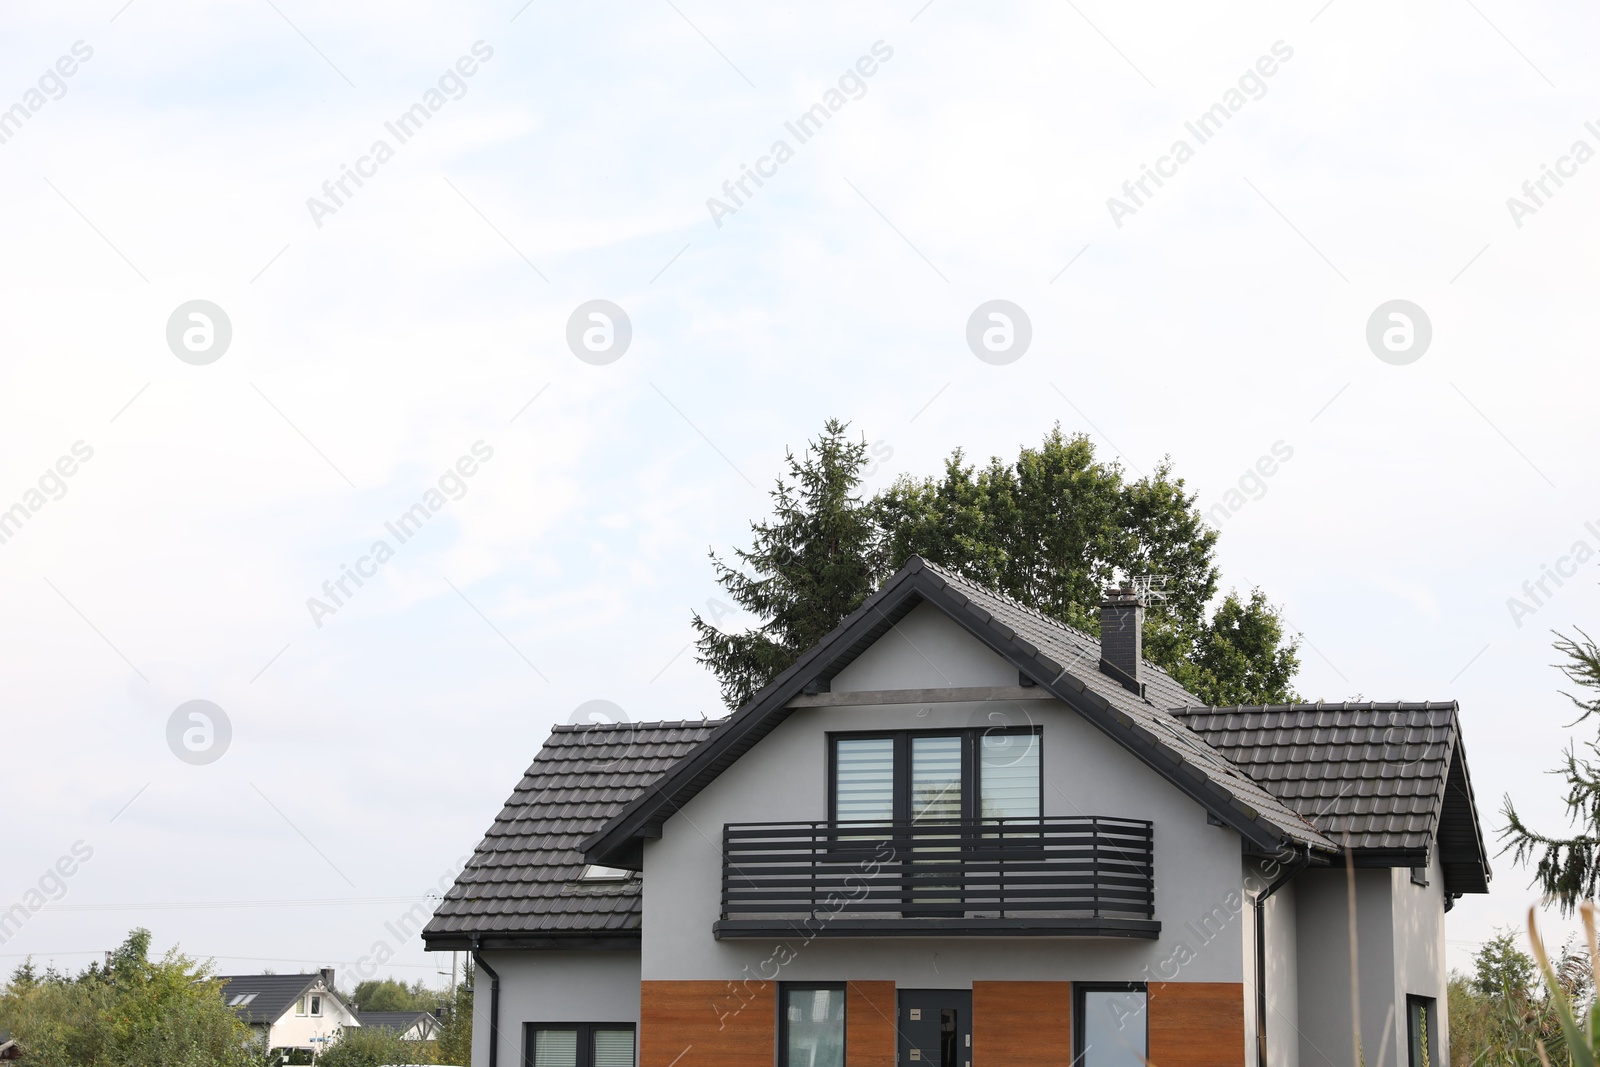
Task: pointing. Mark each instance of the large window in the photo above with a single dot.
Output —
(811, 1026)
(936, 776)
(1112, 1025)
(577, 1045)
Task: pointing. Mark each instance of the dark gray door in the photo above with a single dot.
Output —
(936, 1027)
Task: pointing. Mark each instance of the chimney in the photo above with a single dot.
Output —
(327, 978)
(1122, 636)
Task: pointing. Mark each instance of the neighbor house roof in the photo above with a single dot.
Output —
(398, 1021)
(1305, 777)
(522, 885)
(268, 996)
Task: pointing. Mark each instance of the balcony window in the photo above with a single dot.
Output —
(811, 1023)
(936, 777)
(1113, 1026)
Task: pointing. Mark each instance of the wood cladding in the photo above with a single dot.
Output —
(1021, 1024)
(707, 1024)
(869, 1024)
(1196, 1024)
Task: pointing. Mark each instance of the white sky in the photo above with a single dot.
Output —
(368, 354)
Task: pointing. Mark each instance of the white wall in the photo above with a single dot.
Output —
(552, 987)
(297, 1031)
(784, 777)
(1322, 932)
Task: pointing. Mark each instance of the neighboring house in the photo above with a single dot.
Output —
(8, 1047)
(957, 832)
(410, 1025)
(297, 1011)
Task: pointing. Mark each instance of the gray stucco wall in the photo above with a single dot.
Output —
(1419, 953)
(553, 987)
(1283, 974)
(1322, 933)
(1198, 873)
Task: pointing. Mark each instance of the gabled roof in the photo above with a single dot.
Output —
(399, 1021)
(1385, 779)
(274, 994)
(1063, 661)
(521, 886)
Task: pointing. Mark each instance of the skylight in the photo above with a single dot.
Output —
(594, 872)
(240, 1000)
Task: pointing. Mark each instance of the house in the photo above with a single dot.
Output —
(957, 832)
(298, 1012)
(410, 1025)
(8, 1047)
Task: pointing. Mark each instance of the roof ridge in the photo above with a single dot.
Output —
(645, 724)
(1028, 609)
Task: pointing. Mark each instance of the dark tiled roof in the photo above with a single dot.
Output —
(522, 880)
(1079, 654)
(1378, 777)
(400, 1021)
(274, 993)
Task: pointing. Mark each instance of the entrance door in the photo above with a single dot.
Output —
(935, 1027)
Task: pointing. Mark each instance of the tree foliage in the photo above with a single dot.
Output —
(129, 1012)
(1567, 869)
(814, 562)
(1499, 1015)
(1050, 530)
(387, 994)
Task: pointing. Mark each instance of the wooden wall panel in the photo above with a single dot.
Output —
(707, 1024)
(870, 1010)
(1021, 1024)
(1196, 1024)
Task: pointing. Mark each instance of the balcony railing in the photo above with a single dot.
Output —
(998, 877)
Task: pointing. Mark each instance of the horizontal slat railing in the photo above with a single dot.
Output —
(986, 868)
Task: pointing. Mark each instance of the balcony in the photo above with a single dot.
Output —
(1078, 877)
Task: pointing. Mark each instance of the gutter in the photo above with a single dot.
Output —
(494, 1003)
(1259, 904)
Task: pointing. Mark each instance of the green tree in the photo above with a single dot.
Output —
(813, 563)
(1501, 969)
(1050, 530)
(387, 994)
(1568, 868)
(131, 1012)
(455, 1036)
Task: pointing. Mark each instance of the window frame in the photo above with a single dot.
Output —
(971, 757)
(784, 989)
(314, 1005)
(1079, 989)
(1430, 1005)
(300, 1008)
(585, 1042)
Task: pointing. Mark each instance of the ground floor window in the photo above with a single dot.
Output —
(577, 1045)
(811, 1025)
(1112, 1025)
(1423, 1022)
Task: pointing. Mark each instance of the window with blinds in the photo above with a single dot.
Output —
(937, 777)
(864, 779)
(578, 1045)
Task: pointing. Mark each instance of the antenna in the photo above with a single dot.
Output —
(1149, 587)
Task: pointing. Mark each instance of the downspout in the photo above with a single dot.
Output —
(494, 1003)
(1261, 952)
